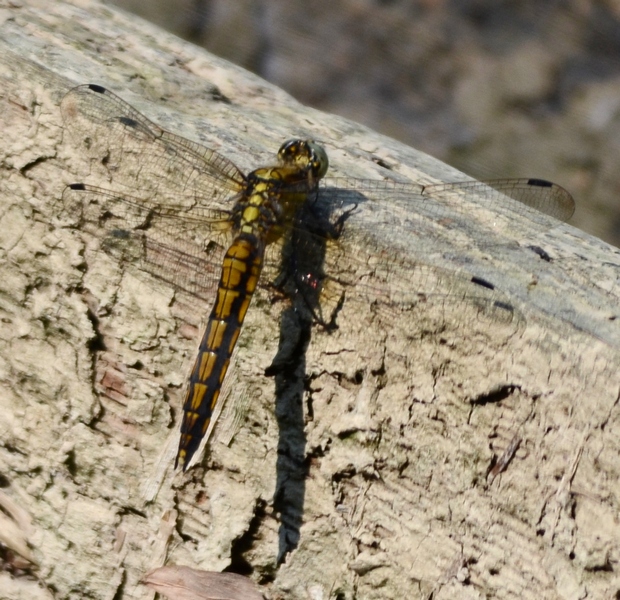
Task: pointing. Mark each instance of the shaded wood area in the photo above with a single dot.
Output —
(398, 456)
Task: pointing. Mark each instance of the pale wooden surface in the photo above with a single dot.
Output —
(396, 502)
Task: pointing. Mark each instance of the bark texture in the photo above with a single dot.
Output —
(399, 458)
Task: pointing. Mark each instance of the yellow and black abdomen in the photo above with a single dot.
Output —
(240, 273)
(263, 212)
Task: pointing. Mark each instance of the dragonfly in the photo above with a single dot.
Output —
(189, 216)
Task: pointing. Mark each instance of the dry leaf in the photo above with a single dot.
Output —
(184, 583)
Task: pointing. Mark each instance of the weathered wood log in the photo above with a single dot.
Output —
(414, 460)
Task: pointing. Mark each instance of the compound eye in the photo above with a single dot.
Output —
(290, 150)
(320, 162)
(305, 154)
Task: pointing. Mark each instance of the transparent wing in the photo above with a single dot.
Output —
(465, 205)
(336, 261)
(142, 156)
(398, 287)
(323, 267)
(537, 194)
(180, 246)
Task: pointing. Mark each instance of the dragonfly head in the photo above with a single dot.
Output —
(305, 154)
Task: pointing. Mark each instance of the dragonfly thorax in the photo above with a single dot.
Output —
(271, 198)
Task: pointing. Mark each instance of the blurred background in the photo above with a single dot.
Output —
(496, 88)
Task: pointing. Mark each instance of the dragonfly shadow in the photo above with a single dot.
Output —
(291, 464)
(300, 280)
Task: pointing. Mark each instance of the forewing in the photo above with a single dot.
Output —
(514, 195)
(142, 156)
(473, 207)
